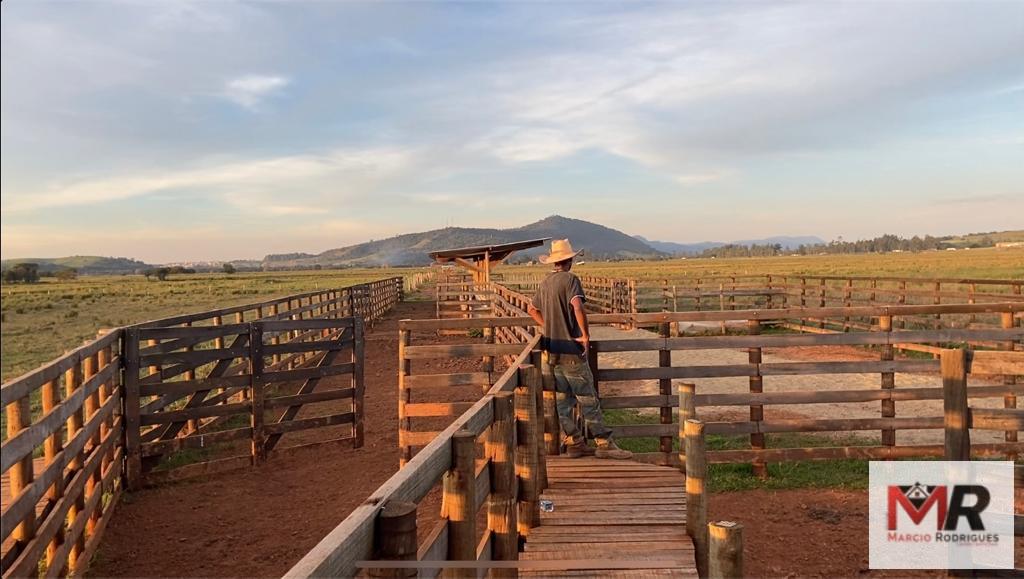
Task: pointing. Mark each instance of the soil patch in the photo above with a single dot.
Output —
(810, 532)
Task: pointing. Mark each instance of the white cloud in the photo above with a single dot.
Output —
(244, 183)
(251, 90)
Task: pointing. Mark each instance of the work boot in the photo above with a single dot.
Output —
(579, 450)
(611, 450)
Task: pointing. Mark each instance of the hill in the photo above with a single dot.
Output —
(787, 243)
(84, 264)
(598, 241)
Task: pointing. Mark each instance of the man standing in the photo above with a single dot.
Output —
(558, 309)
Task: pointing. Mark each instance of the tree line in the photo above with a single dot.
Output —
(881, 244)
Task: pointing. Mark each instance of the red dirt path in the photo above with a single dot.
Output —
(259, 522)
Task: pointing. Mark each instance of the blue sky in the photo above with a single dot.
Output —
(213, 130)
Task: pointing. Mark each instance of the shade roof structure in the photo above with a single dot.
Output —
(496, 252)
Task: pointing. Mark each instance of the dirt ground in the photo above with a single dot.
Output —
(809, 532)
(259, 522)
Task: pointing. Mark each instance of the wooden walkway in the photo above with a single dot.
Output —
(624, 518)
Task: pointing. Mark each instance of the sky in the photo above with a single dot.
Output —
(219, 130)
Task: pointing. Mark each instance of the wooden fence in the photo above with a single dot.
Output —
(663, 378)
(505, 478)
(65, 451)
(605, 295)
(429, 401)
(60, 502)
(202, 396)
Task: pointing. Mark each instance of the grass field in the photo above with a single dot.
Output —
(977, 263)
(42, 320)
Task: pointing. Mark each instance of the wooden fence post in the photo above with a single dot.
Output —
(132, 409)
(527, 459)
(459, 497)
(633, 309)
(396, 538)
(687, 411)
(665, 389)
(725, 550)
(552, 428)
(696, 497)
(256, 392)
(757, 440)
(954, 396)
(358, 380)
(404, 422)
(501, 505)
(19, 417)
(1010, 400)
(75, 422)
(52, 446)
(888, 383)
(534, 377)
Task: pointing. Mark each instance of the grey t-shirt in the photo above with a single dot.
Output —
(554, 300)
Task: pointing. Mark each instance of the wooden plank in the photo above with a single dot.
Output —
(186, 333)
(312, 397)
(180, 388)
(309, 324)
(982, 362)
(313, 346)
(194, 441)
(307, 423)
(462, 350)
(193, 413)
(458, 379)
(425, 409)
(309, 373)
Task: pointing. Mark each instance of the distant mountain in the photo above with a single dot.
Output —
(84, 264)
(598, 241)
(673, 248)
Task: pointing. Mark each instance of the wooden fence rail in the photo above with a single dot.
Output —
(69, 422)
(502, 420)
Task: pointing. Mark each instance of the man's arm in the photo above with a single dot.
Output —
(536, 315)
(581, 319)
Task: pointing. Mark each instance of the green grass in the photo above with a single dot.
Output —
(43, 320)
(844, 474)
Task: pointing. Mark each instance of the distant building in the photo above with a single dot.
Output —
(1010, 244)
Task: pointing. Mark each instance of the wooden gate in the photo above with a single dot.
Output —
(204, 399)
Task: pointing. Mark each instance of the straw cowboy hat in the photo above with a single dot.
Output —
(561, 250)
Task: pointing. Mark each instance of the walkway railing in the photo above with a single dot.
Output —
(505, 422)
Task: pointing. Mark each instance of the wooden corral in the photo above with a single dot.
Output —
(505, 422)
(77, 413)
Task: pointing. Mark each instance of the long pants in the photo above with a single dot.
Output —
(574, 383)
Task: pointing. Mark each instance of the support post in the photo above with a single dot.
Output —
(1010, 400)
(696, 497)
(52, 446)
(757, 440)
(19, 417)
(501, 504)
(954, 395)
(459, 497)
(888, 383)
(395, 538)
(687, 411)
(725, 550)
(665, 389)
(75, 423)
(256, 392)
(527, 459)
(404, 422)
(358, 381)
